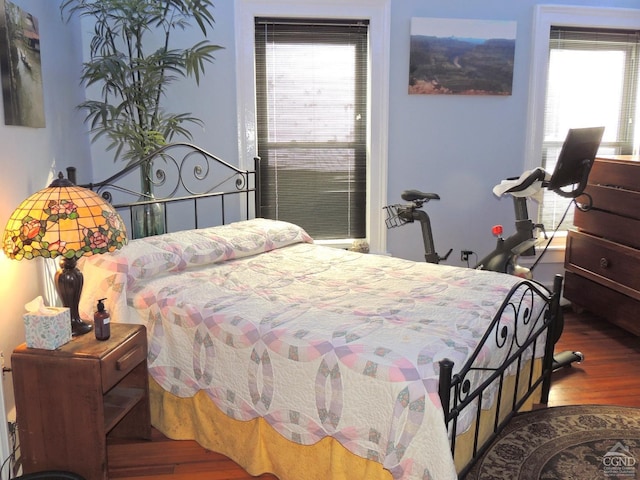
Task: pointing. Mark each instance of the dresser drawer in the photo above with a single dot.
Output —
(616, 200)
(605, 302)
(121, 360)
(621, 174)
(617, 228)
(604, 262)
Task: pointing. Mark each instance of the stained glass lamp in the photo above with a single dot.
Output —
(70, 222)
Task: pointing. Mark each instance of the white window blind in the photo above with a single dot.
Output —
(592, 81)
(311, 81)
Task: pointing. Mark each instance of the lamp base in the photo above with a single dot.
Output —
(79, 327)
(69, 281)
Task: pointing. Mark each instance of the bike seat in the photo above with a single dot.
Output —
(413, 195)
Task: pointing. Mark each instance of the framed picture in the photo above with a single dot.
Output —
(461, 57)
(20, 67)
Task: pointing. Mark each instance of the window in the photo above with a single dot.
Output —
(378, 14)
(592, 81)
(311, 82)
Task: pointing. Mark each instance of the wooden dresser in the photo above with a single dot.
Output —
(602, 258)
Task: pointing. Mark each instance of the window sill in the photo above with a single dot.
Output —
(342, 243)
(554, 253)
(345, 244)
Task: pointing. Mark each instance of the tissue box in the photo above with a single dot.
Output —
(48, 330)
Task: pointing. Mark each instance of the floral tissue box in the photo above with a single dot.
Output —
(48, 329)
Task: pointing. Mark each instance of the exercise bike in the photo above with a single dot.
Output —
(569, 180)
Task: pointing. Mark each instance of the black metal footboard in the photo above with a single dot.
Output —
(477, 391)
(190, 187)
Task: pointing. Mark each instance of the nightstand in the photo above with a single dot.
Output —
(70, 399)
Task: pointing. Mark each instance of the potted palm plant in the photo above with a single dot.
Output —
(133, 63)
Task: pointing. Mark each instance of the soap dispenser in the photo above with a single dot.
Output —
(101, 320)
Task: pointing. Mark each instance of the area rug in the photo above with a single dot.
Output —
(585, 442)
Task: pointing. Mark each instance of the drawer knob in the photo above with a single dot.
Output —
(604, 263)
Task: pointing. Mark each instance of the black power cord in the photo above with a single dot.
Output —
(11, 459)
(582, 207)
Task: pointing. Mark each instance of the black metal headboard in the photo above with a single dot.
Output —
(188, 186)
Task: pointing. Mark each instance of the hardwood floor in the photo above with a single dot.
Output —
(609, 375)
(166, 459)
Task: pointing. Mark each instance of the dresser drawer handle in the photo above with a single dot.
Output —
(127, 360)
(604, 263)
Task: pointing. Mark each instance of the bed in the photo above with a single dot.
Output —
(314, 362)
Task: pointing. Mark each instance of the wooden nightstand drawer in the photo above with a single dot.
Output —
(605, 262)
(120, 361)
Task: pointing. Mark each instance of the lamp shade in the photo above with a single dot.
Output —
(63, 220)
(67, 221)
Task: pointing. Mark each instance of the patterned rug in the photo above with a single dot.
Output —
(585, 442)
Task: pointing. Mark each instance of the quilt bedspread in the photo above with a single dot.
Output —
(318, 341)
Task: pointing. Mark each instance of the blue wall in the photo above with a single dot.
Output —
(460, 146)
(31, 157)
(457, 146)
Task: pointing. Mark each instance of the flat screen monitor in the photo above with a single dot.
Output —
(577, 154)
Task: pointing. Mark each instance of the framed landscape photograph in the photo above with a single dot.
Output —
(461, 57)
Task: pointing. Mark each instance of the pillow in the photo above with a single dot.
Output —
(250, 237)
(111, 275)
